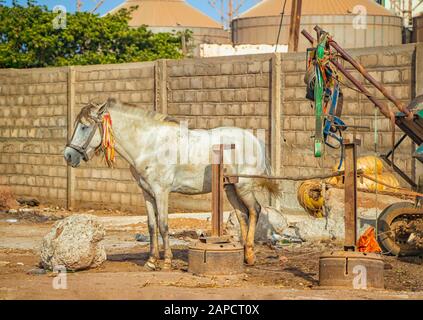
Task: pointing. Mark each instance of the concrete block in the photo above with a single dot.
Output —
(254, 67)
(226, 68)
(392, 76)
(369, 61)
(254, 95)
(228, 95)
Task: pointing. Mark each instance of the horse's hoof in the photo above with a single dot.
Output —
(167, 265)
(250, 258)
(150, 266)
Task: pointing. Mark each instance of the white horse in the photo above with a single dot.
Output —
(166, 157)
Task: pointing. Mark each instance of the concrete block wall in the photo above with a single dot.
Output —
(38, 107)
(33, 122)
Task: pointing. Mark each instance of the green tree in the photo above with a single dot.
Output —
(33, 36)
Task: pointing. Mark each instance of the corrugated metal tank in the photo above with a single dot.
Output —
(260, 24)
(418, 29)
(173, 16)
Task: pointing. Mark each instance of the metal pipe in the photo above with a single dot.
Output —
(294, 28)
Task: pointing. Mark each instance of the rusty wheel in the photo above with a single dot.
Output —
(389, 220)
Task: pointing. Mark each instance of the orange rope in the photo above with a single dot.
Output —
(108, 140)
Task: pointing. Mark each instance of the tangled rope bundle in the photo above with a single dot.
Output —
(309, 196)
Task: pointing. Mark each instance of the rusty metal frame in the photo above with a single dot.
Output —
(391, 163)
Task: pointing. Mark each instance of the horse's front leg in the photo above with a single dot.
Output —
(162, 202)
(150, 204)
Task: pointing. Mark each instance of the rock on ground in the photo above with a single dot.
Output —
(74, 243)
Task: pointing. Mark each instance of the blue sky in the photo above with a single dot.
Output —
(109, 4)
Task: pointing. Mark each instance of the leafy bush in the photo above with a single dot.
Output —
(28, 39)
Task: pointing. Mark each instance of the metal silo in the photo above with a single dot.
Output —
(354, 23)
(174, 16)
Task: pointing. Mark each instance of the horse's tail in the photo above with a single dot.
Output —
(270, 185)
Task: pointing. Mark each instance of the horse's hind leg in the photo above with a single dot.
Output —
(153, 230)
(241, 210)
(254, 208)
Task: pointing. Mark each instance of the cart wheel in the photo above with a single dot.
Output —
(386, 221)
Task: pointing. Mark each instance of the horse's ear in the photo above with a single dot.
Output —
(111, 102)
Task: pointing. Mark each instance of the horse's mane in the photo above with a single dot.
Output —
(127, 108)
(142, 112)
(85, 112)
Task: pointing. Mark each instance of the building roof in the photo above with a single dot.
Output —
(166, 13)
(315, 7)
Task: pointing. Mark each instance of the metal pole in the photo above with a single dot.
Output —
(294, 29)
(350, 183)
(78, 5)
(217, 191)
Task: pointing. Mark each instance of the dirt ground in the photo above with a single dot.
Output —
(288, 272)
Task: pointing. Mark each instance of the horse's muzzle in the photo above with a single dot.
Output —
(72, 157)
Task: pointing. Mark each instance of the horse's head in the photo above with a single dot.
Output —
(87, 134)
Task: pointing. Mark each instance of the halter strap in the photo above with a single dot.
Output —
(103, 108)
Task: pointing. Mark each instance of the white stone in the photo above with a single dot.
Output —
(74, 243)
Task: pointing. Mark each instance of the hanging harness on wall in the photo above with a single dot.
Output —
(323, 88)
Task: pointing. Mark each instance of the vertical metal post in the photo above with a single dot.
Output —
(217, 191)
(294, 29)
(70, 172)
(350, 183)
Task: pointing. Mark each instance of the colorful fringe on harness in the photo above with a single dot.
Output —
(108, 140)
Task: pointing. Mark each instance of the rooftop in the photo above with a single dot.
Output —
(166, 13)
(315, 7)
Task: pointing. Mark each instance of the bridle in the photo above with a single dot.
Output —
(97, 119)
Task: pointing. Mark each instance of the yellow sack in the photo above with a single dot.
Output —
(386, 178)
(373, 167)
(368, 164)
